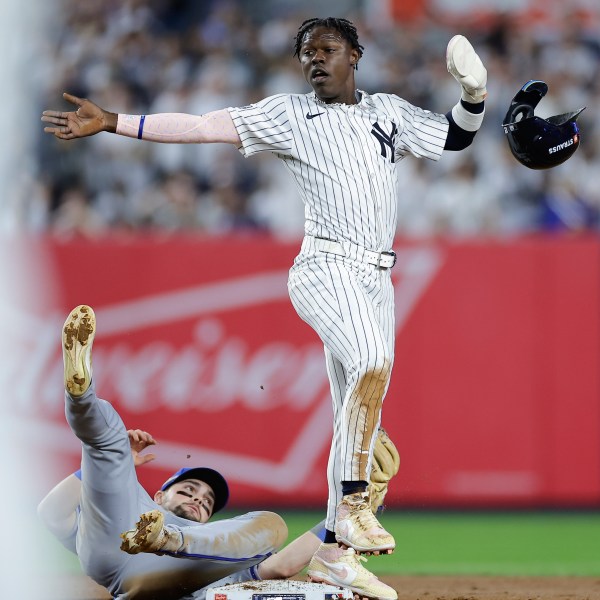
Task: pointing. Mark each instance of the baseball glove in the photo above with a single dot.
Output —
(386, 462)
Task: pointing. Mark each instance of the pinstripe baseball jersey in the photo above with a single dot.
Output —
(343, 157)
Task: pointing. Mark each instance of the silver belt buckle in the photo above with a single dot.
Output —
(391, 253)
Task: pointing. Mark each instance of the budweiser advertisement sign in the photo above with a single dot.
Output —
(198, 343)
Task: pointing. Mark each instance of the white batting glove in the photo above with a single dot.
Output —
(466, 67)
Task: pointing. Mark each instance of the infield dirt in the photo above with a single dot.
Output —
(416, 588)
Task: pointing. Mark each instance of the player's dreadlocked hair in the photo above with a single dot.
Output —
(345, 27)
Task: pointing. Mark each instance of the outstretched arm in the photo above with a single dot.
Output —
(172, 128)
(290, 561)
(58, 510)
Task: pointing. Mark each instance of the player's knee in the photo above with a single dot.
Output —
(374, 374)
(275, 527)
(279, 529)
(374, 367)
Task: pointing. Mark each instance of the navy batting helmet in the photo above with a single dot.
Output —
(210, 476)
(535, 142)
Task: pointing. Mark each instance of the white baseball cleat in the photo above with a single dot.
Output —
(357, 527)
(150, 535)
(77, 339)
(342, 566)
(465, 66)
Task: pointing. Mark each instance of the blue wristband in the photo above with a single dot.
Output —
(141, 128)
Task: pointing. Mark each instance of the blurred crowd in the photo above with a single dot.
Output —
(148, 56)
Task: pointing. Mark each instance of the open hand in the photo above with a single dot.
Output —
(139, 440)
(88, 119)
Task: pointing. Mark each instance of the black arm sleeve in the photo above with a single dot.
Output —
(459, 138)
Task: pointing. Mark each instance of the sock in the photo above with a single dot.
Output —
(353, 487)
(329, 537)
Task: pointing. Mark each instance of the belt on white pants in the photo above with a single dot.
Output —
(383, 260)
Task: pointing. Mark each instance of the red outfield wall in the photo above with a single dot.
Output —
(495, 396)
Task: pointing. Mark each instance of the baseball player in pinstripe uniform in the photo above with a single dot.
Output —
(342, 146)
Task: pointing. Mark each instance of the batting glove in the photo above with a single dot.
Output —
(466, 67)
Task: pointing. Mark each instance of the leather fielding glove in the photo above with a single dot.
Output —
(386, 462)
(466, 67)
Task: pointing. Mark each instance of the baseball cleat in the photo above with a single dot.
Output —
(77, 340)
(342, 566)
(357, 527)
(150, 535)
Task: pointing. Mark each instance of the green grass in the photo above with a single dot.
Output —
(517, 543)
(514, 543)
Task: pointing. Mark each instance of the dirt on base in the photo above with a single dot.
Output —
(417, 588)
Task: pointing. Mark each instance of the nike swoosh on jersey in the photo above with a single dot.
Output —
(309, 116)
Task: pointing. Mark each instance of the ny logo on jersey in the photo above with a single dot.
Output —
(385, 140)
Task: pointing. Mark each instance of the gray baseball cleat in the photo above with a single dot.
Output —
(77, 339)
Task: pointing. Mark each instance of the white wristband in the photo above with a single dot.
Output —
(467, 120)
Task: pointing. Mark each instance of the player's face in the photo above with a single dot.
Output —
(191, 499)
(328, 61)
